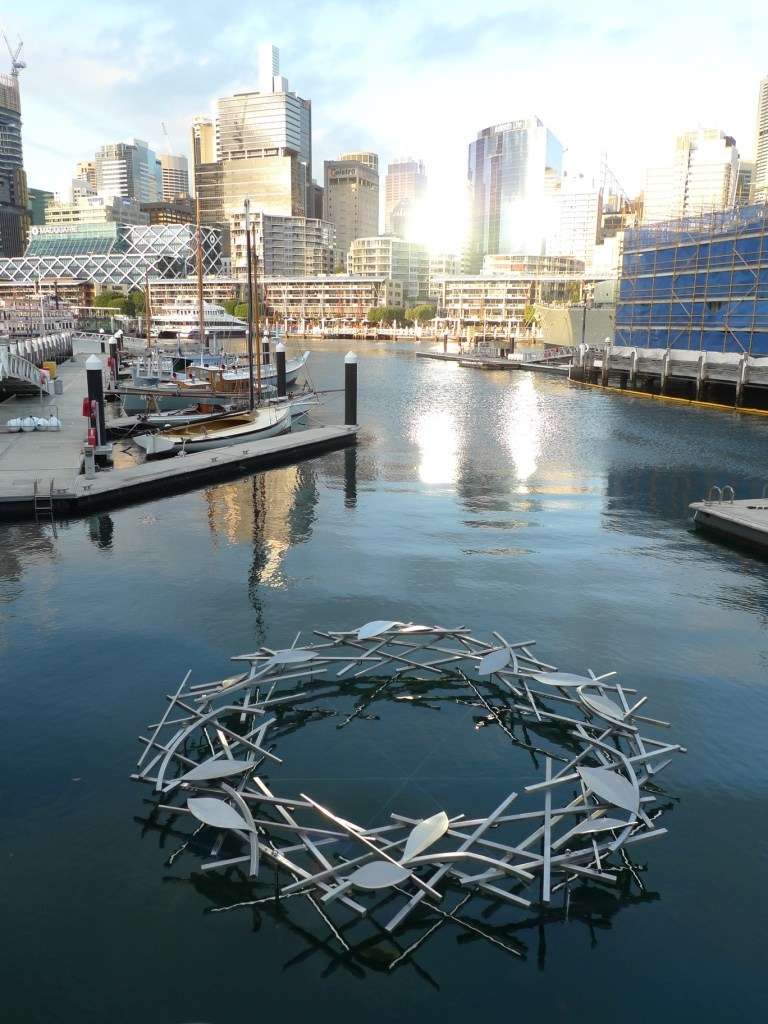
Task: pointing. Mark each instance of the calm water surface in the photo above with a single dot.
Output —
(500, 501)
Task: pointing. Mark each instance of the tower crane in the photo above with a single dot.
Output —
(17, 64)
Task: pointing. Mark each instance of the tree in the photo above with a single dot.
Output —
(114, 300)
(230, 305)
(422, 313)
(386, 315)
(574, 292)
(241, 310)
(139, 300)
(530, 318)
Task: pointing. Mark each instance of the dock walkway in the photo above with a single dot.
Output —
(744, 520)
(50, 462)
(494, 363)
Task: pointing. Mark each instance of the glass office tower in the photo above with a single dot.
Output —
(513, 170)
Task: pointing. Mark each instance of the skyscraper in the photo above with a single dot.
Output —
(351, 199)
(405, 190)
(744, 183)
(175, 171)
(701, 178)
(203, 141)
(270, 123)
(130, 170)
(513, 171)
(14, 216)
(760, 178)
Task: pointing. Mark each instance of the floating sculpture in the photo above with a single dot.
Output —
(210, 751)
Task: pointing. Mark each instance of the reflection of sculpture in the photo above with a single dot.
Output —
(205, 757)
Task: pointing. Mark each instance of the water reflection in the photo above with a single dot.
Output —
(272, 511)
(523, 426)
(436, 435)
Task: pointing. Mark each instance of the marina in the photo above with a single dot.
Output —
(485, 500)
(44, 474)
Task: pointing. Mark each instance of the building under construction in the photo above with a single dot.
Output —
(700, 283)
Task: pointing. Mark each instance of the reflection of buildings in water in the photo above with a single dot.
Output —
(272, 510)
(18, 542)
(435, 433)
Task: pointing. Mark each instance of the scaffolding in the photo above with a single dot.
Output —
(698, 283)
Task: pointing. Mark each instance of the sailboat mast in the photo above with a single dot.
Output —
(199, 266)
(258, 337)
(249, 271)
(148, 310)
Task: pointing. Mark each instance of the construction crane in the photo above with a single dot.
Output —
(167, 137)
(17, 64)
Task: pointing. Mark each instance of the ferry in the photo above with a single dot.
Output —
(180, 320)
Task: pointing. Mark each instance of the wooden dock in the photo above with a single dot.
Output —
(39, 468)
(744, 521)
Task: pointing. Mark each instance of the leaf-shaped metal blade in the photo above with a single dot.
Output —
(599, 825)
(376, 628)
(560, 678)
(216, 768)
(604, 707)
(216, 813)
(494, 662)
(378, 874)
(611, 787)
(292, 656)
(424, 835)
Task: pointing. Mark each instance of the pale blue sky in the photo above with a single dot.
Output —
(405, 76)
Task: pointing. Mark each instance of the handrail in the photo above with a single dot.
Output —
(712, 489)
(732, 492)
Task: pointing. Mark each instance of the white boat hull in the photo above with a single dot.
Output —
(224, 437)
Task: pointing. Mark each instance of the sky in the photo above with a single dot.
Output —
(405, 77)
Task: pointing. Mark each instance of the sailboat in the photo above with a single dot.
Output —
(238, 428)
(218, 432)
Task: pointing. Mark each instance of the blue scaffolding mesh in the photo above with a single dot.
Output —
(697, 283)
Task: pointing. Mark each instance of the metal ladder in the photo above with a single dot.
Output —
(43, 503)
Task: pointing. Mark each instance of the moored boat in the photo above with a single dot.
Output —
(237, 428)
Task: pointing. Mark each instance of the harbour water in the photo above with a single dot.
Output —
(497, 500)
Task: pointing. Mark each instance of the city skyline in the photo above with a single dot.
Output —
(422, 83)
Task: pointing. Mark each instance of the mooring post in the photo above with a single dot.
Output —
(280, 361)
(95, 378)
(265, 350)
(114, 355)
(350, 389)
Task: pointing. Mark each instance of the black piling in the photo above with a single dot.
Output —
(95, 377)
(280, 362)
(350, 389)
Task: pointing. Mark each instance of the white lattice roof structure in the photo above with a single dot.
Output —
(113, 254)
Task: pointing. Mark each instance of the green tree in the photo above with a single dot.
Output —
(386, 315)
(421, 313)
(230, 305)
(113, 300)
(574, 292)
(529, 316)
(240, 310)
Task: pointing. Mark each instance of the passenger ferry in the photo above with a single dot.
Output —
(180, 320)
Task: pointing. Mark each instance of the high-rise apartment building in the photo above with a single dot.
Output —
(38, 199)
(575, 219)
(394, 258)
(14, 216)
(284, 246)
(760, 179)
(351, 200)
(175, 173)
(96, 210)
(701, 178)
(405, 190)
(130, 170)
(514, 170)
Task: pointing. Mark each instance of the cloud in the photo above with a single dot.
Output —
(409, 76)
